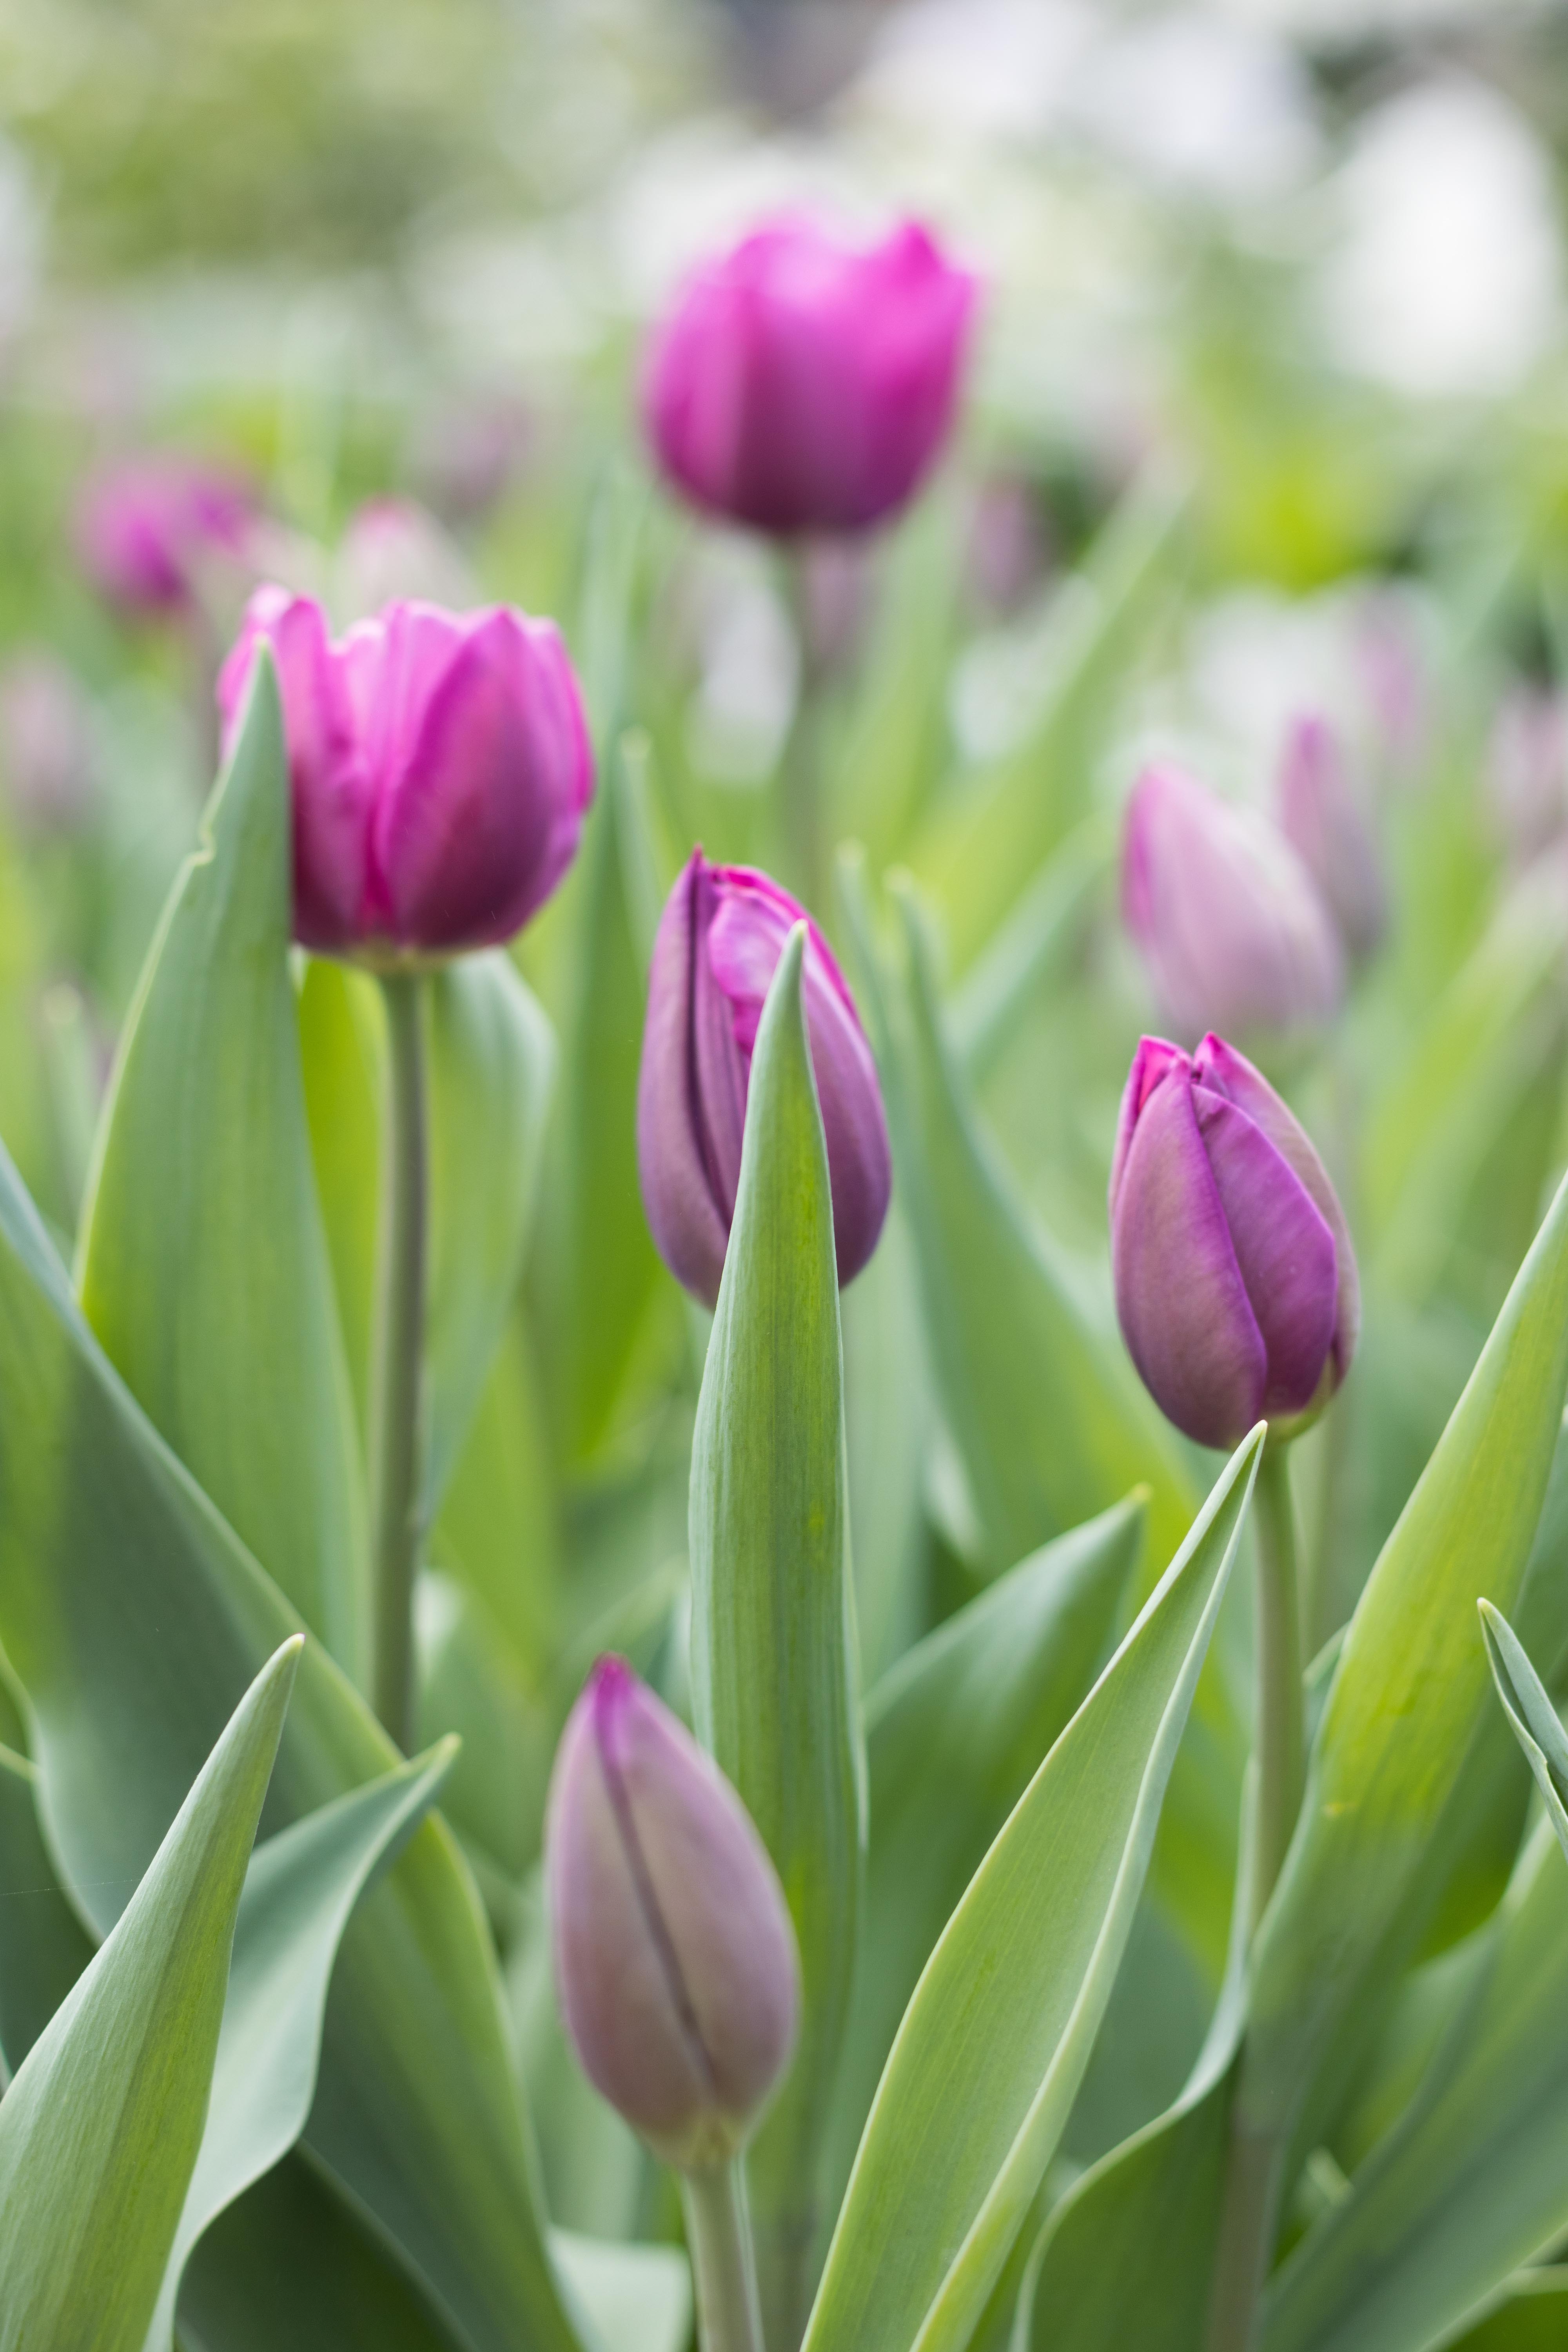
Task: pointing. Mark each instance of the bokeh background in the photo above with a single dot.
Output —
(1269, 414)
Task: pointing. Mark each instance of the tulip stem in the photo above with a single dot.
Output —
(800, 768)
(1281, 1729)
(718, 2240)
(397, 1352)
(1250, 2211)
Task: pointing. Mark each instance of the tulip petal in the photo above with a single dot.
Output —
(675, 1150)
(484, 777)
(1283, 1246)
(1180, 1298)
(1154, 1060)
(619, 1999)
(721, 1913)
(1225, 1071)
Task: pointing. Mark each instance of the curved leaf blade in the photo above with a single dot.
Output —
(202, 1260)
(994, 2042)
(99, 2131)
(773, 1670)
(300, 1892)
(43, 1945)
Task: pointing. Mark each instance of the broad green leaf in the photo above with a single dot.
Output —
(288, 2269)
(499, 1533)
(300, 1891)
(1125, 2256)
(203, 1263)
(994, 2042)
(99, 2131)
(1410, 1693)
(1473, 2181)
(638, 2298)
(982, 849)
(133, 1618)
(43, 1945)
(1531, 1716)
(467, 1684)
(492, 1060)
(954, 1736)
(772, 1656)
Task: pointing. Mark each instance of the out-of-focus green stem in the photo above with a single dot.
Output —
(1250, 2211)
(800, 767)
(719, 2239)
(1281, 1737)
(396, 1420)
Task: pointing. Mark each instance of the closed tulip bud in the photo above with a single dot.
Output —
(1321, 818)
(146, 529)
(801, 384)
(440, 769)
(1230, 924)
(1527, 770)
(1235, 1281)
(675, 1957)
(720, 938)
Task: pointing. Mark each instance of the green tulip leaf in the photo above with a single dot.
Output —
(1126, 2255)
(300, 1891)
(1408, 1703)
(773, 1670)
(202, 1262)
(133, 1617)
(983, 846)
(636, 2298)
(887, 1428)
(43, 1945)
(1473, 2180)
(994, 2042)
(1531, 2317)
(288, 2269)
(1532, 1718)
(954, 1737)
(340, 1050)
(493, 1064)
(99, 2131)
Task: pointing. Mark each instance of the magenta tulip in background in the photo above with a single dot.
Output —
(145, 527)
(720, 938)
(1230, 924)
(675, 1956)
(440, 767)
(803, 384)
(1321, 818)
(1235, 1281)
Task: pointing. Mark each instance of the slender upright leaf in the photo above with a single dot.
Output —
(638, 2298)
(1531, 1716)
(993, 2044)
(954, 1737)
(773, 1669)
(202, 1260)
(100, 2130)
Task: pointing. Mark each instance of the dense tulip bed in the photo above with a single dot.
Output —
(721, 1660)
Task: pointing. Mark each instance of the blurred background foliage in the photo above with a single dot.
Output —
(1270, 412)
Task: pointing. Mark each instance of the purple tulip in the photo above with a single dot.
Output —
(1235, 1281)
(1322, 818)
(1230, 923)
(440, 767)
(675, 1956)
(801, 384)
(145, 528)
(1527, 770)
(720, 938)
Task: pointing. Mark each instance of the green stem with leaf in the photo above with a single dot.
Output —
(397, 1359)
